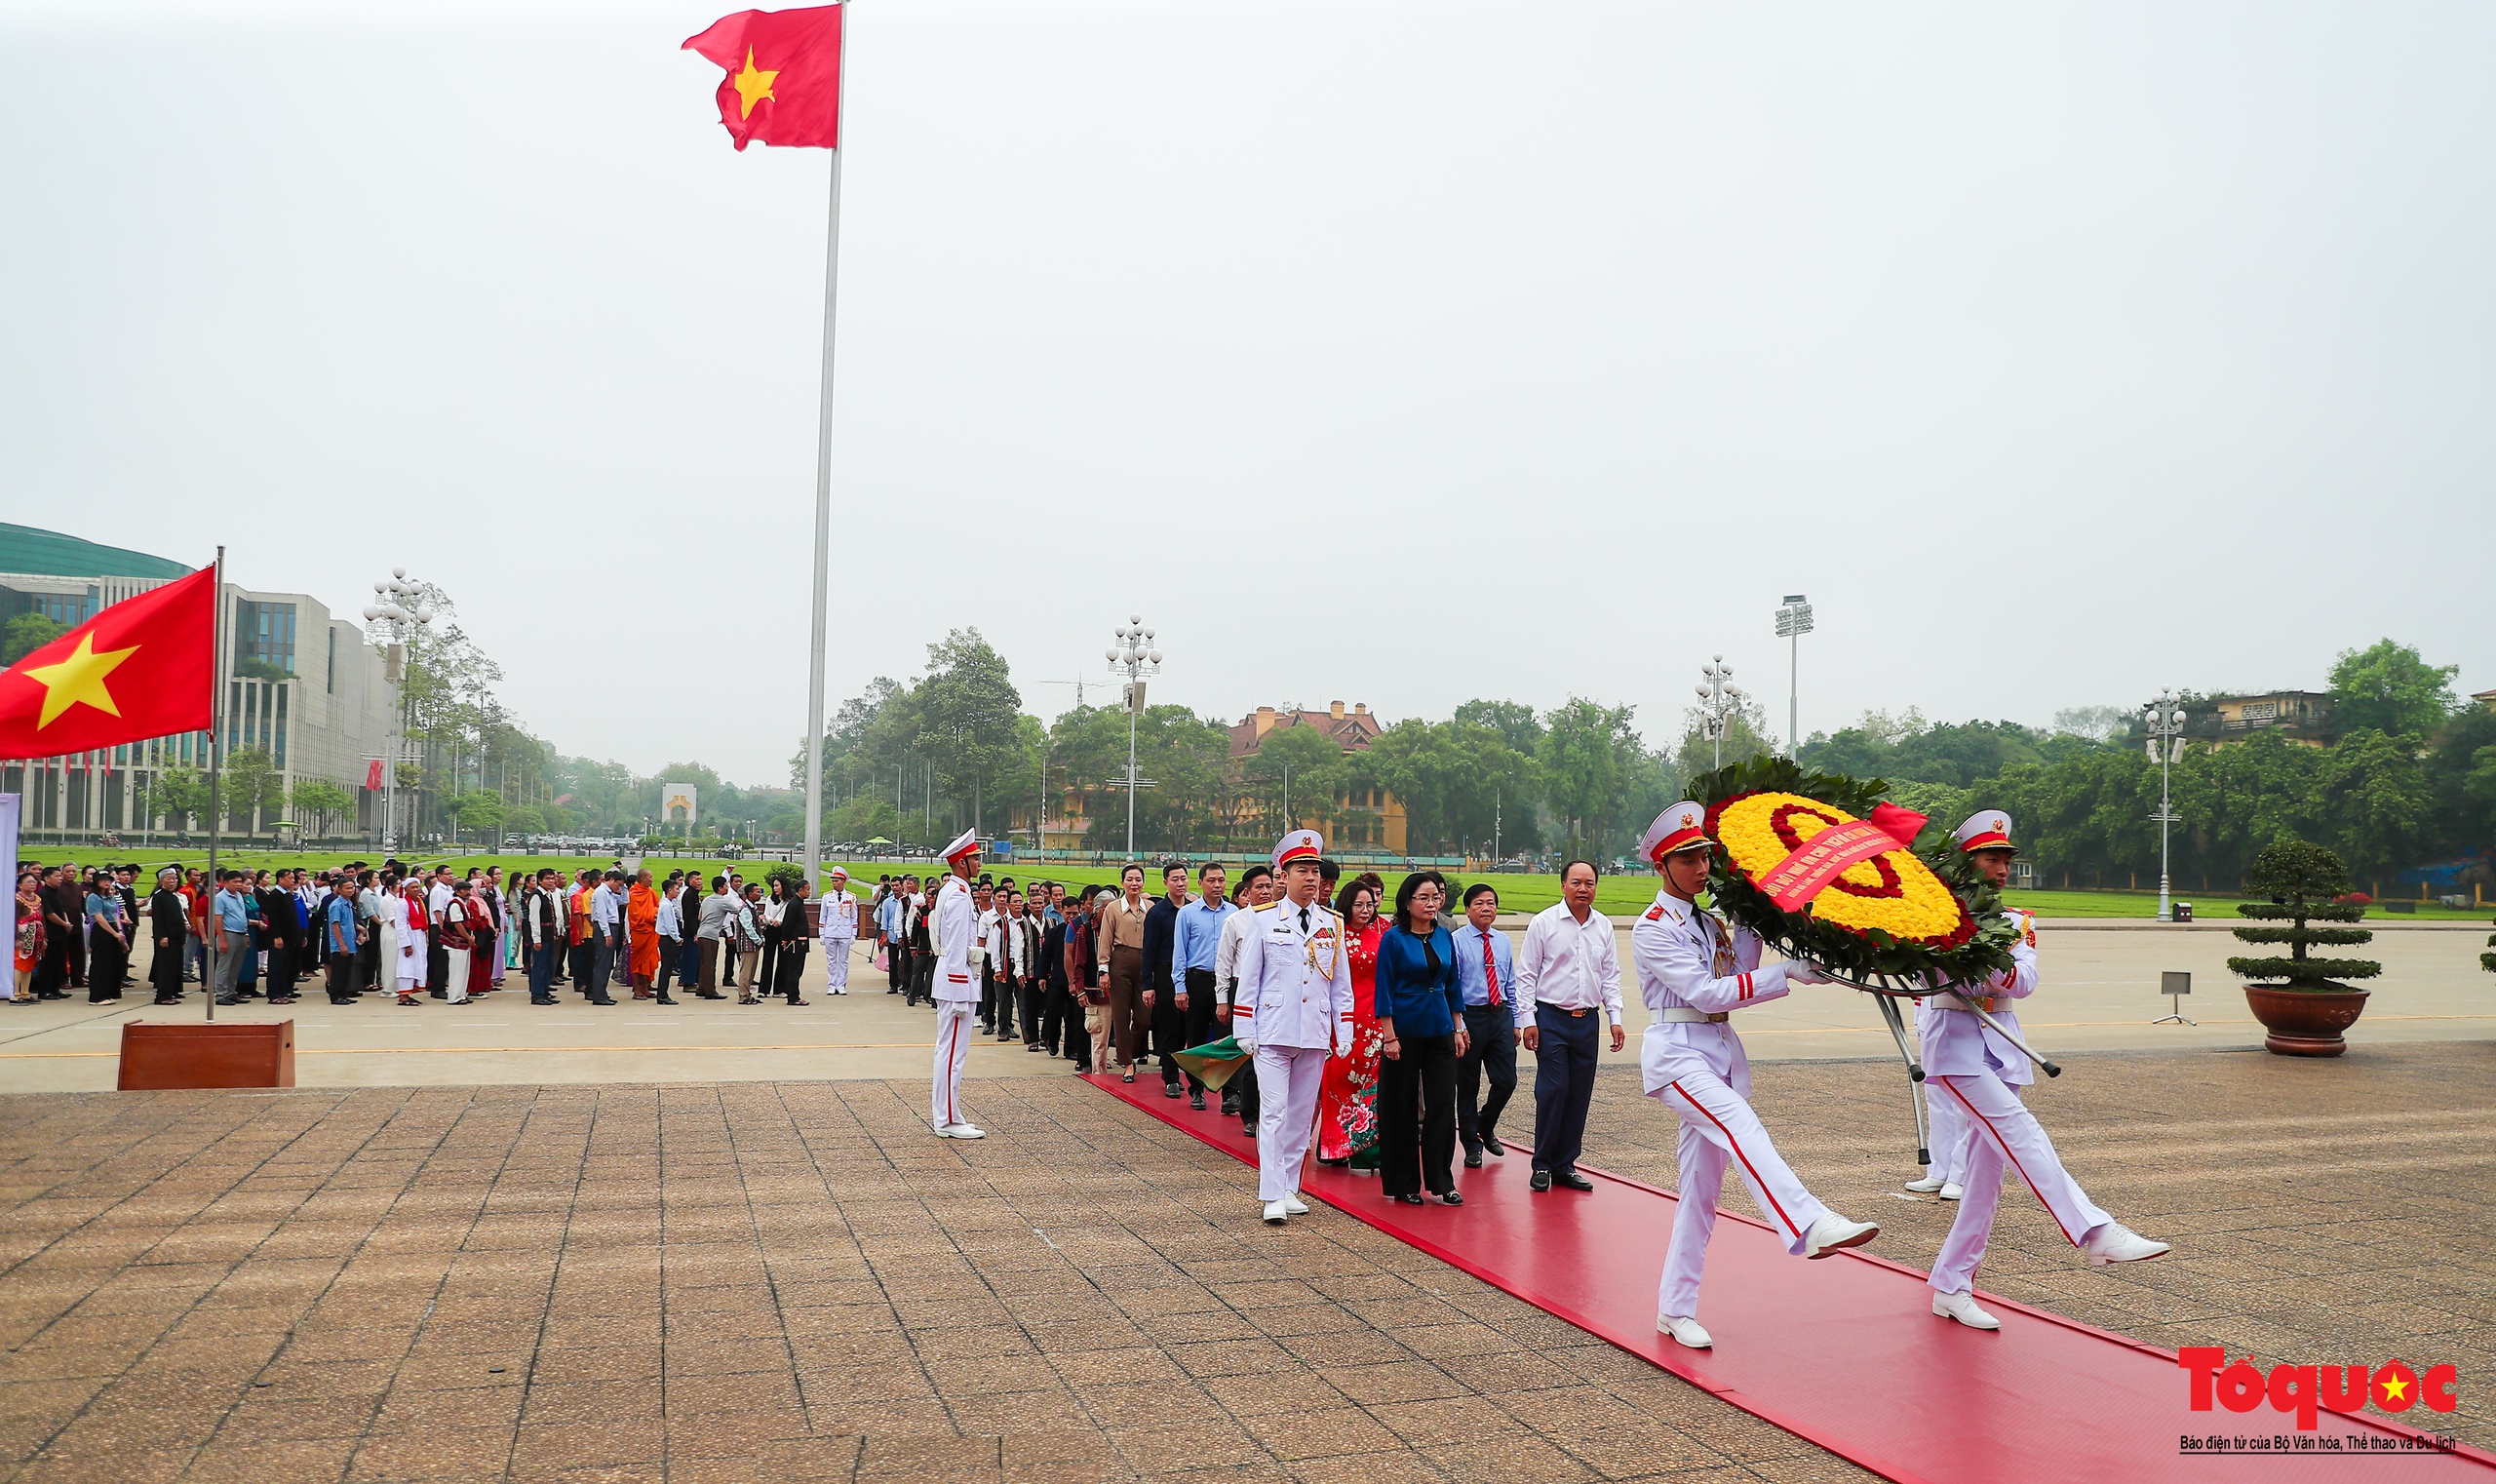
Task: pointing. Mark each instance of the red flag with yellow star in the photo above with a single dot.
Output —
(784, 75)
(139, 669)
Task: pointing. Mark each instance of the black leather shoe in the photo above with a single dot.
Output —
(1409, 1200)
(1452, 1197)
(1473, 1159)
(1543, 1180)
(1197, 1101)
(1171, 1089)
(1574, 1180)
(1492, 1143)
(1230, 1104)
(669, 999)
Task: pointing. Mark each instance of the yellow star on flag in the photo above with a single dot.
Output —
(753, 84)
(2393, 1387)
(79, 677)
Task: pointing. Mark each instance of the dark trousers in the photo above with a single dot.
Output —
(341, 983)
(368, 956)
(922, 978)
(541, 976)
(103, 967)
(165, 971)
(1492, 1053)
(437, 965)
(281, 974)
(1031, 992)
(788, 970)
(766, 979)
(995, 1002)
(74, 945)
(584, 956)
(670, 955)
(1196, 1022)
(1564, 1084)
(1417, 1117)
(1169, 1031)
(897, 966)
(604, 956)
(709, 950)
(1245, 1083)
(1061, 1018)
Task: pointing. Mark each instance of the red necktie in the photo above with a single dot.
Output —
(1490, 971)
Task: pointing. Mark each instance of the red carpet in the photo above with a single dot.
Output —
(1845, 1351)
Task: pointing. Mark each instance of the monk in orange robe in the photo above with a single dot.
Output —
(642, 931)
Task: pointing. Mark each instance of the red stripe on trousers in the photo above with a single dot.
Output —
(2013, 1158)
(1763, 1190)
(953, 1027)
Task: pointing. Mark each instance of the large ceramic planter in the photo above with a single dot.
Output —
(2305, 1022)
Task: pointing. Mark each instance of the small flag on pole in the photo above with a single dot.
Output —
(783, 83)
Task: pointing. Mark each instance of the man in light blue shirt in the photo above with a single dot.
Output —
(1486, 969)
(1193, 939)
(231, 943)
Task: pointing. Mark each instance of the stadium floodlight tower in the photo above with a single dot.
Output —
(1718, 699)
(1137, 661)
(1793, 621)
(404, 607)
(2166, 720)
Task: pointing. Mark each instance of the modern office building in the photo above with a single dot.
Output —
(301, 684)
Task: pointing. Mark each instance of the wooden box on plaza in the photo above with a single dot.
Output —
(168, 1054)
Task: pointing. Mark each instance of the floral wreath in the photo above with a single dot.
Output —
(1903, 914)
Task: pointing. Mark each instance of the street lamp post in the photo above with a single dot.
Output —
(402, 613)
(1793, 621)
(1718, 699)
(1137, 660)
(2166, 720)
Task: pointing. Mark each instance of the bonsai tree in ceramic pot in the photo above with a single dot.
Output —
(2303, 1003)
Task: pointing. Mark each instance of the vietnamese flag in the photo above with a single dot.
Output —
(784, 75)
(139, 669)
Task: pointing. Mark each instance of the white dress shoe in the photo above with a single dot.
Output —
(1293, 1205)
(1962, 1307)
(1834, 1232)
(2114, 1243)
(960, 1131)
(1928, 1184)
(1686, 1332)
(1952, 1190)
(1276, 1213)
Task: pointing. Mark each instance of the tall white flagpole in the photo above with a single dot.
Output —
(818, 659)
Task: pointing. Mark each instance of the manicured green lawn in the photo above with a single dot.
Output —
(1622, 896)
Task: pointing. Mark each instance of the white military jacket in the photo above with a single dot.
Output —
(1295, 986)
(836, 916)
(951, 930)
(1956, 1043)
(1688, 960)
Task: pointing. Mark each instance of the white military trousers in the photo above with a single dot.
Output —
(2003, 1131)
(1287, 1078)
(952, 1048)
(1719, 1129)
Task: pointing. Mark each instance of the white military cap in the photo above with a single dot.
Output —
(1988, 830)
(1683, 827)
(966, 843)
(1299, 845)
(841, 872)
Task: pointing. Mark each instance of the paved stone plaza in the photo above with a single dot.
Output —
(795, 1280)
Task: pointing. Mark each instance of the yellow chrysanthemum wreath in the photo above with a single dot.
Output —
(1893, 892)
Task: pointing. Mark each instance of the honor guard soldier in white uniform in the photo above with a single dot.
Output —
(952, 928)
(1947, 1129)
(1971, 1066)
(1295, 1007)
(837, 924)
(1693, 971)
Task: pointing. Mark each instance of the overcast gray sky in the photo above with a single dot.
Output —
(1374, 350)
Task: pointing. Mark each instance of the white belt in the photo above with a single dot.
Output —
(1679, 1015)
(1966, 1003)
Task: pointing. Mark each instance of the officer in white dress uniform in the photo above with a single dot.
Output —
(837, 924)
(952, 929)
(1968, 1063)
(1693, 971)
(1295, 1006)
(1946, 1129)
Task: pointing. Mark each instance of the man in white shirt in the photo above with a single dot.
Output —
(1568, 984)
(606, 927)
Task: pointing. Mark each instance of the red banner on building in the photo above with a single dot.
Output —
(372, 774)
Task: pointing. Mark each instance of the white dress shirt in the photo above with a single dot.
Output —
(1569, 965)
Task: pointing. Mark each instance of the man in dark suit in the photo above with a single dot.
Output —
(1160, 988)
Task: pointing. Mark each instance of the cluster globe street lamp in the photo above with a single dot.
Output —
(2164, 718)
(402, 610)
(1718, 700)
(1134, 658)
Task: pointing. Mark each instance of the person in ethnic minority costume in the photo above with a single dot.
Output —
(836, 921)
(1693, 971)
(642, 934)
(1295, 1006)
(951, 926)
(1970, 1065)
